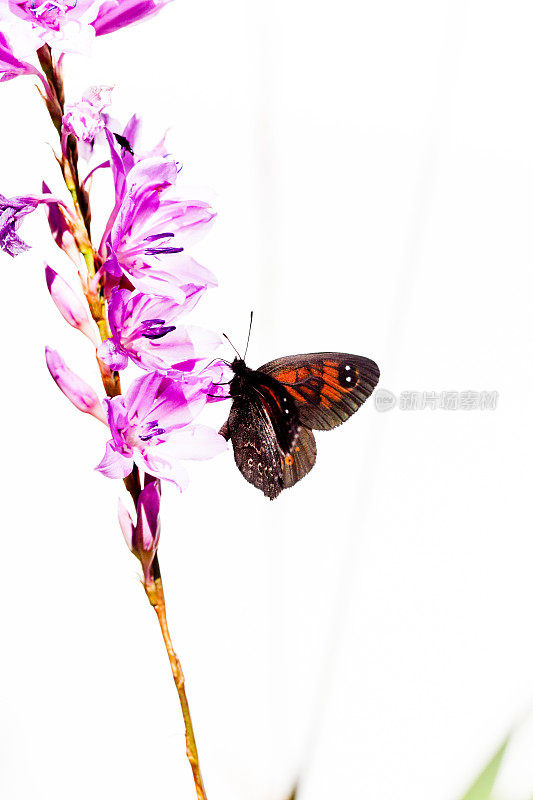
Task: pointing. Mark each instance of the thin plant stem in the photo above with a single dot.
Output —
(55, 101)
(156, 596)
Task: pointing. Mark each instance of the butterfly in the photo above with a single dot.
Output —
(276, 408)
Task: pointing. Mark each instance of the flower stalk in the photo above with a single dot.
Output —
(156, 597)
(55, 102)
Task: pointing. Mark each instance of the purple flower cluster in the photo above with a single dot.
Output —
(150, 284)
(144, 275)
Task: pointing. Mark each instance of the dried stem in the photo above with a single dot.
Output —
(55, 101)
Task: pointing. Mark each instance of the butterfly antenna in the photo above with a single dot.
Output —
(231, 343)
(249, 332)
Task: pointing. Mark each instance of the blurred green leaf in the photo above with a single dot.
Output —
(481, 788)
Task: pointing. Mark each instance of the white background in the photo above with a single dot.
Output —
(371, 630)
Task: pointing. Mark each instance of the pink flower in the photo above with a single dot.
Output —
(86, 118)
(143, 537)
(63, 24)
(11, 67)
(150, 227)
(126, 151)
(151, 426)
(145, 328)
(78, 392)
(12, 211)
(117, 14)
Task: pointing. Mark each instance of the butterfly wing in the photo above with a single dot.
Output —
(327, 388)
(301, 459)
(256, 446)
(275, 408)
(270, 447)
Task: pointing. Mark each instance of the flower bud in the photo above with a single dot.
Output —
(69, 305)
(60, 229)
(143, 538)
(78, 392)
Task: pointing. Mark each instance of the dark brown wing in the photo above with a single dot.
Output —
(255, 447)
(326, 387)
(263, 426)
(270, 447)
(301, 459)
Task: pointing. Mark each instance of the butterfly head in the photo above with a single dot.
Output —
(240, 378)
(238, 366)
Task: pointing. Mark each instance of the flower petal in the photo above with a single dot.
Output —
(117, 14)
(152, 463)
(110, 354)
(126, 524)
(113, 464)
(195, 442)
